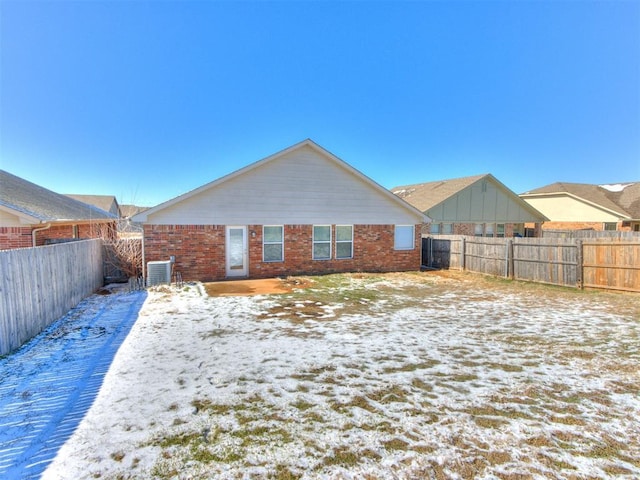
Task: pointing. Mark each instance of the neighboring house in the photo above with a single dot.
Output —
(127, 227)
(299, 211)
(580, 206)
(478, 205)
(129, 211)
(108, 203)
(31, 215)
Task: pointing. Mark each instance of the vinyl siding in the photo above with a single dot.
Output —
(9, 220)
(561, 208)
(475, 205)
(301, 187)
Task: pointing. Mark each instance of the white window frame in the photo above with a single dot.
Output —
(338, 242)
(435, 228)
(478, 229)
(501, 230)
(400, 237)
(489, 230)
(321, 242)
(265, 242)
(447, 229)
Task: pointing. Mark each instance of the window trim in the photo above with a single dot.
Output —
(350, 241)
(281, 243)
(317, 242)
(490, 230)
(395, 237)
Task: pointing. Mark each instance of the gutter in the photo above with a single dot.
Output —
(36, 230)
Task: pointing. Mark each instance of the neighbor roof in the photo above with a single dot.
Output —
(622, 198)
(36, 204)
(108, 203)
(129, 211)
(427, 195)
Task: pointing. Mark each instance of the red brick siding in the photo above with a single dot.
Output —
(15, 237)
(21, 237)
(200, 251)
(598, 226)
(85, 231)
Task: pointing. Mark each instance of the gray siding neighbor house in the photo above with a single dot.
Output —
(479, 205)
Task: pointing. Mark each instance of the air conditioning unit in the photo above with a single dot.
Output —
(158, 272)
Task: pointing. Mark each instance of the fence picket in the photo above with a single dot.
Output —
(606, 262)
(39, 285)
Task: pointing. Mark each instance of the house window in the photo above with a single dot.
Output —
(404, 237)
(273, 243)
(321, 242)
(518, 230)
(344, 241)
(610, 226)
(447, 228)
(500, 230)
(478, 229)
(435, 228)
(488, 232)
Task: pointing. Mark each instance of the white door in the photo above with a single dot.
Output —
(237, 252)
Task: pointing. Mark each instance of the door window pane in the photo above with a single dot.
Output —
(236, 253)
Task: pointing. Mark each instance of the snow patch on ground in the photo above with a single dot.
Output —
(418, 379)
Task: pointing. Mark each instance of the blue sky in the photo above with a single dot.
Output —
(147, 100)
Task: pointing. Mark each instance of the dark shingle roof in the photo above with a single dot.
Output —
(424, 196)
(47, 206)
(129, 211)
(623, 198)
(108, 203)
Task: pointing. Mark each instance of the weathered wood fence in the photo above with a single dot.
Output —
(605, 263)
(39, 285)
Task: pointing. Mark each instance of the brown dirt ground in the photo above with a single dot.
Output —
(255, 287)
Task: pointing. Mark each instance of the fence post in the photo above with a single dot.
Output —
(580, 265)
(462, 254)
(510, 260)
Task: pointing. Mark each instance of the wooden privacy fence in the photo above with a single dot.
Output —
(600, 263)
(39, 285)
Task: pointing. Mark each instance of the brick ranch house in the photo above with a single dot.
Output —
(300, 211)
(31, 215)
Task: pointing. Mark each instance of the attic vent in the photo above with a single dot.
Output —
(158, 272)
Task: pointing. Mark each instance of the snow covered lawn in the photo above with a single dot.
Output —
(370, 376)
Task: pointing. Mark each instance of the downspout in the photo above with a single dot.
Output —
(143, 266)
(36, 230)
